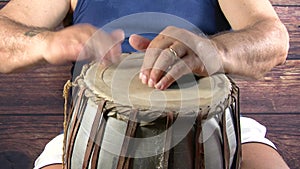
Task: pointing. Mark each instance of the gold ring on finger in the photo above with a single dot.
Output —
(174, 53)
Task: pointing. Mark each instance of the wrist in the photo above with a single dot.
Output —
(222, 56)
(212, 56)
(41, 40)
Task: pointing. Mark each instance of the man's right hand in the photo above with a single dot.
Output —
(25, 40)
(80, 42)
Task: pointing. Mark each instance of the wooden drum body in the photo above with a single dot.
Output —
(116, 122)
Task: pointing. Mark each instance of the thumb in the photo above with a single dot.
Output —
(138, 42)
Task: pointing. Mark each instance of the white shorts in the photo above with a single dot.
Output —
(251, 131)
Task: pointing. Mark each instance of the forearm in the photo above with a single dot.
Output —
(20, 45)
(255, 50)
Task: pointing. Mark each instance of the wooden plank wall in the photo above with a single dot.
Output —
(274, 100)
(31, 104)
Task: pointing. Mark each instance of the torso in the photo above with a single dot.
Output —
(150, 16)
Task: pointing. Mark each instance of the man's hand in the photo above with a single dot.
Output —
(174, 53)
(26, 38)
(80, 42)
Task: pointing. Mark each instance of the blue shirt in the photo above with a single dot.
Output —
(149, 17)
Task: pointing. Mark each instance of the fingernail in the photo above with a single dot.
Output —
(150, 83)
(159, 85)
(144, 79)
(140, 75)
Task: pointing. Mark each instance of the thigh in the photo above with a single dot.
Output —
(262, 156)
(54, 166)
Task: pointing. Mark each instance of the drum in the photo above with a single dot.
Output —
(116, 122)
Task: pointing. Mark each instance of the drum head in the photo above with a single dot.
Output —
(120, 84)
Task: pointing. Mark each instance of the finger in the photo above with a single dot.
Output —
(179, 48)
(118, 35)
(138, 42)
(113, 56)
(153, 51)
(100, 43)
(150, 57)
(109, 51)
(168, 57)
(116, 51)
(163, 62)
(182, 67)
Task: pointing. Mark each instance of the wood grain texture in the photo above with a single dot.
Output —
(277, 92)
(290, 16)
(33, 91)
(285, 2)
(22, 138)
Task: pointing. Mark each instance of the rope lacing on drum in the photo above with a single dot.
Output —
(67, 87)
